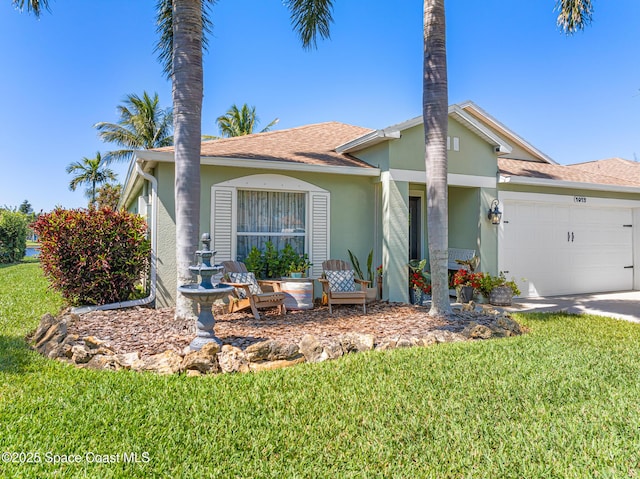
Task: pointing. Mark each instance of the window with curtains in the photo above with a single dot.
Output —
(276, 216)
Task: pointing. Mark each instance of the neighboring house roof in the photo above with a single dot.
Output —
(310, 144)
(566, 173)
(616, 167)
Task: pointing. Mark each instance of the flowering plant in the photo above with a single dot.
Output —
(466, 278)
(488, 282)
(418, 278)
(379, 270)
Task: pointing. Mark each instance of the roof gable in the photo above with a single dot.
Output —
(456, 112)
(500, 129)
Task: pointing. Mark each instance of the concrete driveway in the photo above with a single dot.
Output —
(623, 305)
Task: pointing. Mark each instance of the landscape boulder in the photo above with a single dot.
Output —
(204, 361)
(233, 360)
(168, 362)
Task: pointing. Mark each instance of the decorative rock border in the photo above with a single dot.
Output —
(51, 340)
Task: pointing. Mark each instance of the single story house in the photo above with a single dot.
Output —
(330, 187)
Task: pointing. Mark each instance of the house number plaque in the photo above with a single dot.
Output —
(579, 199)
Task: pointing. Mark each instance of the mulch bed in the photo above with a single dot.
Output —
(152, 331)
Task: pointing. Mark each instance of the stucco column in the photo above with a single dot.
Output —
(489, 233)
(395, 237)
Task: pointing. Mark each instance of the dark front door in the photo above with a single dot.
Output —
(414, 227)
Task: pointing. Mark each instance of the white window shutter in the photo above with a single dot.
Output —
(223, 207)
(319, 221)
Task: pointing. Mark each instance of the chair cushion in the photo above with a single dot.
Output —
(341, 281)
(250, 278)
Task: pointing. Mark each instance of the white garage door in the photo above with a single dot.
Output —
(554, 248)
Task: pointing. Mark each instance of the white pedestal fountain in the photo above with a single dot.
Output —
(205, 294)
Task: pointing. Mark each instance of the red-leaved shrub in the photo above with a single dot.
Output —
(93, 256)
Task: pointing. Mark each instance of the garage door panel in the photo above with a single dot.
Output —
(554, 248)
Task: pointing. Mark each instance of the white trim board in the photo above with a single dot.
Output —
(576, 185)
(566, 199)
(453, 179)
(270, 182)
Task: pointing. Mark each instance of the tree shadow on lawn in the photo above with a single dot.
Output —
(15, 355)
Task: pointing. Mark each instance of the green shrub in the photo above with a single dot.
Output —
(271, 263)
(488, 282)
(13, 236)
(93, 256)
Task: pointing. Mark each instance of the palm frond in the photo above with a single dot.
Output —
(142, 125)
(118, 156)
(164, 29)
(574, 15)
(270, 125)
(240, 121)
(311, 18)
(33, 6)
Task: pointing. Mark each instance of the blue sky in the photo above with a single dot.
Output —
(575, 98)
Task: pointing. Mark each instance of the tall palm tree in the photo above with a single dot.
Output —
(142, 125)
(573, 15)
(182, 24)
(92, 172)
(435, 106)
(239, 122)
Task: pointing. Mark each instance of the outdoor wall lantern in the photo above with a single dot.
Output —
(495, 215)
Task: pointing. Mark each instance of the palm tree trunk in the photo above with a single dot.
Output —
(187, 113)
(435, 104)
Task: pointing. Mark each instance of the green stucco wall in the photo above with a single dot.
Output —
(407, 153)
(377, 156)
(476, 157)
(352, 215)
(463, 218)
(395, 238)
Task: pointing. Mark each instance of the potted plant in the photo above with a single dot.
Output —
(298, 267)
(497, 289)
(371, 289)
(466, 283)
(419, 281)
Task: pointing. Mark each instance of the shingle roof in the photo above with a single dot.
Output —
(310, 144)
(616, 167)
(532, 169)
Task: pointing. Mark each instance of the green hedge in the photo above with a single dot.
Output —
(13, 236)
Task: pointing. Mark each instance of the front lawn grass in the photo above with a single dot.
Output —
(562, 401)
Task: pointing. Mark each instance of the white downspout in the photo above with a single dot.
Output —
(154, 244)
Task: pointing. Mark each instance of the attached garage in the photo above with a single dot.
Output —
(561, 244)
